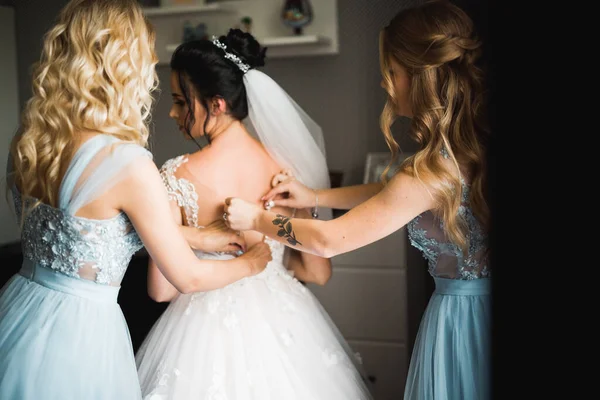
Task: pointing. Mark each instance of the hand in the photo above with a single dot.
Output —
(241, 215)
(258, 256)
(288, 192)
(283, 175)
(218, 237)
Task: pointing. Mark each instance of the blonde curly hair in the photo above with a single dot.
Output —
(437, 46)
(96, 74)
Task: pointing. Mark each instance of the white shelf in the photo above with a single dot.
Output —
(178, 10)
(294, 40)
(282, 41)
(319, 38)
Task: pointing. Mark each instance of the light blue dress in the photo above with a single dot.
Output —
(62, 334)
(451, 356)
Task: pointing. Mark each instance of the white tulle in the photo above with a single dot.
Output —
(288, 133)
(261, 338)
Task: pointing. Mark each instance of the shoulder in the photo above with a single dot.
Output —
(173, 175)
(126, 150)
(170, 167)
(404, 187)
(114, 157)
(118, 157)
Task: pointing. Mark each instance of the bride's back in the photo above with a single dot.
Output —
(234, 165)
(214, 87)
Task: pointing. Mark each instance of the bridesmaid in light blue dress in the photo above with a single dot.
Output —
(61, 329)
(62, 334)
(430, 72)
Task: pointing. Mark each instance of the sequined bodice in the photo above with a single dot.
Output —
(444, 258)
(67, 243)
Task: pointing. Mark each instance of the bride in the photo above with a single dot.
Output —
(264, 337)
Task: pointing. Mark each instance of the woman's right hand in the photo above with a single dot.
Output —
(288, 192)
(218, 237)
(257, 256)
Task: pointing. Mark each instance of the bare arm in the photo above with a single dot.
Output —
(401, 200)
(288, 192)
(345, 198)
(144, 199)
(159, 288)
(317, 270)
(215, 237)
(308, 267)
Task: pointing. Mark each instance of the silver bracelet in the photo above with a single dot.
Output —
(315, 210)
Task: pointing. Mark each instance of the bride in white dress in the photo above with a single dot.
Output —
(265, 337)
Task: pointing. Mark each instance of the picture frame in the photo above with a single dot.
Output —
(377, 162)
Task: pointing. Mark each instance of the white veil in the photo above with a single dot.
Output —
(288, 133)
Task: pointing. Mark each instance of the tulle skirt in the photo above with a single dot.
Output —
(262, 338)
(451, 357)
(63, 338)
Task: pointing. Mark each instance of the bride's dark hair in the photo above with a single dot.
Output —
(203, 66)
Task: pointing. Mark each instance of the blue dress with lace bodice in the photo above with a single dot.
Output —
(62, 333)
(451, 356)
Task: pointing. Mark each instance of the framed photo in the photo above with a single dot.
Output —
(377, 163)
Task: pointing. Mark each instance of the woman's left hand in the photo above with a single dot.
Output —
(241, 215)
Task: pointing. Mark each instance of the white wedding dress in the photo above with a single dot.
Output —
(264, 337)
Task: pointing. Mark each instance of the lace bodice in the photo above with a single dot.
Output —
(67, 244)
(184, 193)
(181, 190)
(97, 250)
(444, 258)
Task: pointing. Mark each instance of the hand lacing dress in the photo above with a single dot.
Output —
(264, 337)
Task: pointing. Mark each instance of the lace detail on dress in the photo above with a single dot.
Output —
(66, 243)
(445, 259)
(181, 190)
(90, 249)
(336, 357)
(162, 381)
(18, 203)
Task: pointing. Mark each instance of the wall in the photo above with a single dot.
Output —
(341, 92)
(9, 115)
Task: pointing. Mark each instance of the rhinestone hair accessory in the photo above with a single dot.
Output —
(230, 56)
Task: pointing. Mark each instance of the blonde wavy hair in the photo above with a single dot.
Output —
(437, 46)
(96, 74)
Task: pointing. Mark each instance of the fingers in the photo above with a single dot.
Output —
(282, 188)
(280, 178)
(239, 241)
(226, 210)
(263, 249)
(231, 248)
